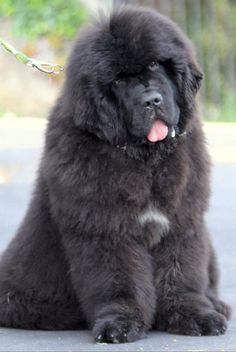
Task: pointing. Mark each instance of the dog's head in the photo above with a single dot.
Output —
(132, 78)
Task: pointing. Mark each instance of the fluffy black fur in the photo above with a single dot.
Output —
(114, 237)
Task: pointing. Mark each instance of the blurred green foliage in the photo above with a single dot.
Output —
(211, 25)
(35, 18)
(216, 49)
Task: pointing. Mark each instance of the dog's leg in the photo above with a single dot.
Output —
(114, 284)
(212, 292)
(182, 283)
(25, 311)
(35, 289)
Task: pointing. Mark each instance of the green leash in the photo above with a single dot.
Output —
(40, 65)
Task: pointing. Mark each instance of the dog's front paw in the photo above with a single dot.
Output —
(117, 329)
(221, 307)
(208, 323)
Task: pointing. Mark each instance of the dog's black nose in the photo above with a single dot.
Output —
(152, 99)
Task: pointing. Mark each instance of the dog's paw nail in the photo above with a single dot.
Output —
(98, 338)
(223, 330)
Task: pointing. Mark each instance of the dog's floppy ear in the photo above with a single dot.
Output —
(84, 111)
(96, 113)
(194, 77)
(190, 84)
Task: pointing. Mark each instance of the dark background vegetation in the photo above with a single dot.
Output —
(211, 24)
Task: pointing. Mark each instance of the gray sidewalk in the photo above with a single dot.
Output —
(20, 148)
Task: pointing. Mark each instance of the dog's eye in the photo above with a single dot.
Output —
(153, 66)
(118, 81)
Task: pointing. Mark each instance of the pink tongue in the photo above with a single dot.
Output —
(158, 132)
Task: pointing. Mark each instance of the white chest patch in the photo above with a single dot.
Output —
(153, 215)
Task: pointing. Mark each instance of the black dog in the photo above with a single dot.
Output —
(114, 237)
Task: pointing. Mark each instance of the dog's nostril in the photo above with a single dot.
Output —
(157, 101)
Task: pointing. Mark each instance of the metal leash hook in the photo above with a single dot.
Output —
(42, 66)
(45, 67)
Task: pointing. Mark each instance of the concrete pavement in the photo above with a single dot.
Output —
(21, 141)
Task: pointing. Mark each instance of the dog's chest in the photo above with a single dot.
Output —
(155, 224)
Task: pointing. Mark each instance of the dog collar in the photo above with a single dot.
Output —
(173, 134)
